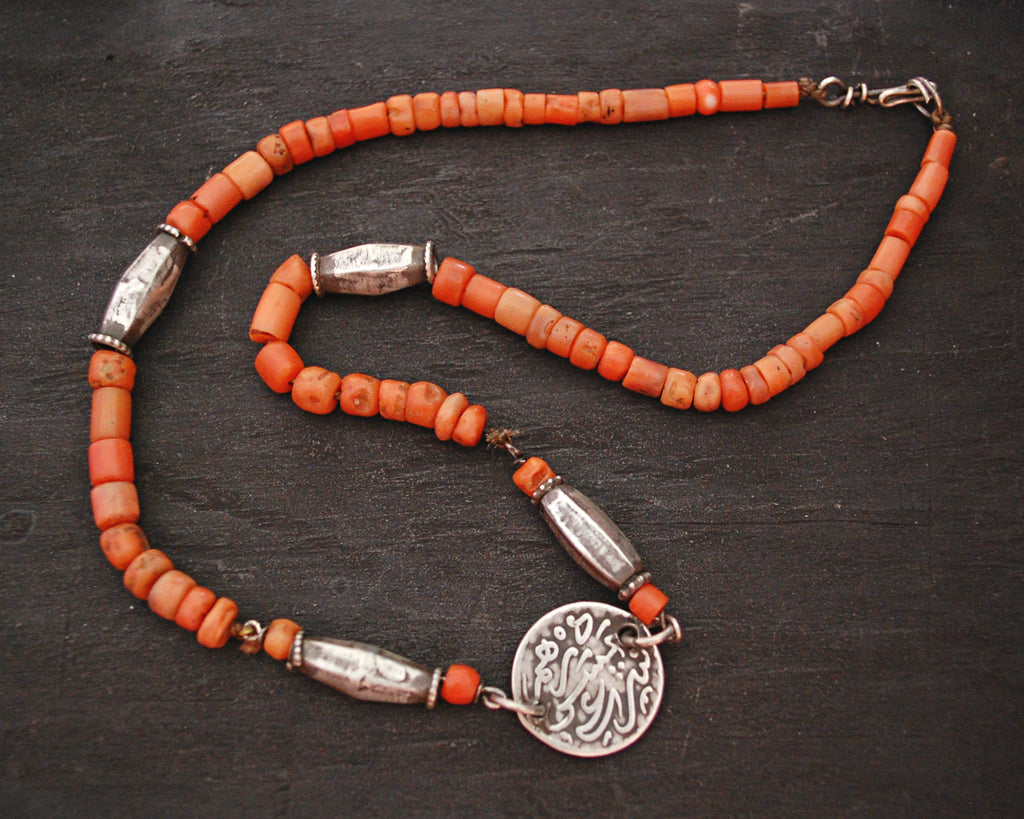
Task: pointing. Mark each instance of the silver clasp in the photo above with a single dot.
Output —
(920, 92)
(373, 269)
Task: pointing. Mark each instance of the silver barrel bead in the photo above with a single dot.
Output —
(142, 293)
(363, 671)
(590, 536)
(373, 269)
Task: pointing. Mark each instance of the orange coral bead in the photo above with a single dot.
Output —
(451, 115)
(297, 139)
(647, 603)
(849, 314)
(541, 324)
(273, 149)
(217, 196)
(114, 502)
(216, 628)
(251, 173)
(341, 129)
(360, 395)
(615, 361)
(467, 110)
(110, 459)
(278, 364)
(930, 183)
(470, 427)
(561, 109)
(709, 96)
(194, 607)
(757, 389)
(908, 219)
(122, 543)
(514, 102)
(878, 279)
(490, 106)
(450, 281)
(190, 219)
(826, 330)
(369, 121)
(482, 294)
(533, 108)
(741, 95)
(891, 254)
(426, 111)
(870, 299)
(678, 389)
(707, 394)
(275, 314)
(422, 403)
(562, 336)
(461, 685)
(644, 105)
(645, 376)
(611, 106)
(279, 636)
(792, 360)
(940, 147)
(589, 103)
(515, 310)
(734, 390)
(682, 100)
(781, 94)
(316, 390)
(774, 373)
(391, 397)
(532, 474)
(448, 415)
(143, 572)
(111, 414)
(110, 369)
(168, 592)
(808, 349)
(320, 136)
(401, 118)
(294, 274)
(587, 349)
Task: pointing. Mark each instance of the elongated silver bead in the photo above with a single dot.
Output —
(362, 671)
(142, 293)
(373, 269)
(590, 536)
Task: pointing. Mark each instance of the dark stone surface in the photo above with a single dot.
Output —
(846, 559)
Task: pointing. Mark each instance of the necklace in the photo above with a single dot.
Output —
(587, 679)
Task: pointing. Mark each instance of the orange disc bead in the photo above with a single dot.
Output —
(422, 403)
(587, 349)
(734, 390)
(297, 139)
(757, 388)
(562, 336)
(533, 108)
(870, 299)
(808, 349)
(320, 136)
(360, 395)
(216, 628)
(341, 129)
(615, 361)
(774, 373)
(114, 502)
(278, 638)
(143, 572)
(514, 102)
(122, 543)
(426, 111)
(826, 330)
(849, 314)
(316, 390)
(450, 281)
(194, 607)
(541, 325)
(647, 603)
(793, 361)
(110, 369)
(448, 415)
(168, 592)
(451, 114)
(470, 427)
(461, 685)
(190, 219)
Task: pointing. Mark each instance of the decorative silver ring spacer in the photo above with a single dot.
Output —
(430, 260)
(103, 340)
(295, 655)
(632, 586)
(435, 688)
(314, 272)
(170, 230)
(544, 488)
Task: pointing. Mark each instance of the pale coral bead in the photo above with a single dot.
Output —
(278, 639)
(110, 369)
(891, 255)
(774, 373)
(539, 329)
(709, 96)
(111, 414)
(611, 106)
(114, 502)
(448, 415)
(930, 183)
(561, 109)
(426, 110)
(826, 330)
(849, 314)
(644, 105)
(316, 390)
(250, 172)
(467, 110)
(707, 393)
(401, 118)
(470, 427)
(808, 350)
(143, 572)
(216, 628)
(514, 102)
(490, 106)
(515, 310)
(589, 106)
(878, 279)
(792, 359)
(678, 389)
(168, 592)
(451, 115)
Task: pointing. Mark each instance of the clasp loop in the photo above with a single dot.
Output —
(920, 92)
(495, 699)
(670, 632)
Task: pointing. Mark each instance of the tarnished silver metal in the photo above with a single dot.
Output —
(251, 634)
(370, 270)
(496, 699)
(430, 260)
(633, 585)
(670, 632)
(544, 488)
(314, 272)
(590, 536)
(171, 230)
(598, 695)
(142, 293)
(362, 671)
(918, 91)
(435, 688)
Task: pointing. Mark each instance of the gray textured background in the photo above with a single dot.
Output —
(846, 559)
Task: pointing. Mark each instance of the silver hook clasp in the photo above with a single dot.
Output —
(920, 92)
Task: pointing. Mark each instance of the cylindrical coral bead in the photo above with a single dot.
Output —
(587, 349)
(294, 274)
(490, 106)
(114, 502)
(644, 105)
(930, 183)
(143, 572)
(482, 294)
(741, 95)
(515, 310)
(360, 395)
(615, 361)
(645, 376)
(275, 152)
(709, 96)
(561, 109)
(369, 121)
(470, 426)
(461, 685)
(251, 173)
(275, 314)
(450, 281)
(532, 474)
(217, 197)
(682, 99)
(808, 349)
(296, 138)
(563, 334)
(190, 219)
(341, 129)
(168, 592)
(320, 136)
(422, 403)
(647, 603)
(216, 628)
(278, 364)
(451, 114)
(122, 543)
(678, 389)
(757, 389)
(391, 397)
(541, 325)
(111, 414)
(514, 103)
(774, 373)
(734, 390)
(401, 118)
(426, 111)
(110, 459)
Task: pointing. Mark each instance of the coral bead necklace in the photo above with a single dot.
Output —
(587, 679)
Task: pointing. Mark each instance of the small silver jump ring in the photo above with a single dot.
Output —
(672, 632)
(496, 699)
